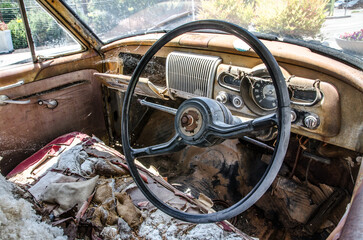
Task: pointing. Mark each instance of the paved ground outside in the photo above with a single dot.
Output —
(340, 24)
(24, 56)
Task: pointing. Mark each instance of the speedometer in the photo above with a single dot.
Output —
(264, 95)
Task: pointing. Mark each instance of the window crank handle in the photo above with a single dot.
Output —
(6, 100)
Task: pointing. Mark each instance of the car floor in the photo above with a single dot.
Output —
(78, 184)
(306, 200)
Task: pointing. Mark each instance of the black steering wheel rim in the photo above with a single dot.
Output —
(283, 121)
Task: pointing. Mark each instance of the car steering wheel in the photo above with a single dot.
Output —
(215, 124)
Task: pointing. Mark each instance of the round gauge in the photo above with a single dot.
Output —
(264, 95)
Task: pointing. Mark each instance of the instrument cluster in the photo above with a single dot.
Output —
(252, 91)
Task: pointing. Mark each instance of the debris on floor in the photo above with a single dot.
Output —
(157, 226)
(18, 219)
(82, 186)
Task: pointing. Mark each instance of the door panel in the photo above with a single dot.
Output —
(24, 129)
(32, 72)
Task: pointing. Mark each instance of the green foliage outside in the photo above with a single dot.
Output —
(102, 16)
(18, 34)
(8, 11)
(240, 12)
(43, 28)
(294, 18)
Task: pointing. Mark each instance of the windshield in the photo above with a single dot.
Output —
(329, 23)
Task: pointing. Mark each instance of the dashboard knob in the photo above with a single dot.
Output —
(237, 102)
(222, 97)
(293, 115)
(311, 121)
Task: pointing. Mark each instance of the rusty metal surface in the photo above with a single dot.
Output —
(328, 109)
(284, 53)
(190, 120)
(50, 68)
(26, 128)
(194, 40)
(343, 84)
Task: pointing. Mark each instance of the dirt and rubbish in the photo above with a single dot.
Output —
(18, 219)
(76, 187)
(81, 189)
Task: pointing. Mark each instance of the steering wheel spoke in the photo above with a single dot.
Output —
(173, 145)
(158, 106)
(242, 129)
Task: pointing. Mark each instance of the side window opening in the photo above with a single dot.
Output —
(14, 47)
(49, 38)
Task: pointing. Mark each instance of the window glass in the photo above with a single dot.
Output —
(318, 24)
(114, 18)
(50, 39)
(13, 43)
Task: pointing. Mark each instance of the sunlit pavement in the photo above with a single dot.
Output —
(342, 21)
(24, 56)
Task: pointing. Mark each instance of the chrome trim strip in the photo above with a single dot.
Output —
(21, 82)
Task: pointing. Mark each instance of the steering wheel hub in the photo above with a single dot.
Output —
(196, 115)
(191, 122)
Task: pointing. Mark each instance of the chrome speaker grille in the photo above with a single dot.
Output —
(191, 73)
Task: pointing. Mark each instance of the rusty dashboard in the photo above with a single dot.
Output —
(212, 66)
(249, 92)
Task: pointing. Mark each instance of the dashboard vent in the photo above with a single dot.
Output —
(191, 73)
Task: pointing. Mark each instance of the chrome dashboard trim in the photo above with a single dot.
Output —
(191, 73)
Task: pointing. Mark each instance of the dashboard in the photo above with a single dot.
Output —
(324, 93)
(249, 92)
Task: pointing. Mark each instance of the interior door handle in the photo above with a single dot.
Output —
(6, 100)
